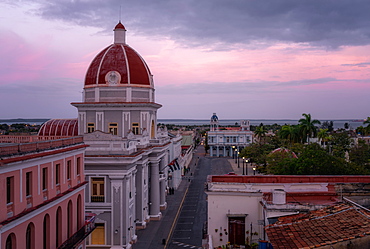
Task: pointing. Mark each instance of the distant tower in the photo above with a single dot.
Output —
(244, 125)
(214, 122)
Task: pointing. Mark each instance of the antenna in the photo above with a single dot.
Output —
(120, 11)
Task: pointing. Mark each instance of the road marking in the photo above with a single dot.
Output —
(185, 245)
(175, 220)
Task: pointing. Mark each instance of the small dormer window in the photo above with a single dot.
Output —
(90, 127)
(136, 128)
(113, 128)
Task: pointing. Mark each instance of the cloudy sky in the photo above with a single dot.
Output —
(239, 58)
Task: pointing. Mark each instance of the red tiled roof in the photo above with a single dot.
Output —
(123, 59)
(59, 127)
(232, 128)
(321, 227)
(291, 178)
(284, 151)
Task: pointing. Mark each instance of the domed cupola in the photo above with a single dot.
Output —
(214, 122)
(214, 118)
(118, 74)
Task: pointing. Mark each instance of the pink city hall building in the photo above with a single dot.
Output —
(42, 197)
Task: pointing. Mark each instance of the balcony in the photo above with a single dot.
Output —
(76, 239)
(19, 145)
(10, 209)
(29, 201)
(97, 198)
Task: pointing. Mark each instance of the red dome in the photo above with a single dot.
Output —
(126, 64)
(119, 26)
(59, 127)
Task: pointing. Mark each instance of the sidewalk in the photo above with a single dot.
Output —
(157, 233)
(248, 170)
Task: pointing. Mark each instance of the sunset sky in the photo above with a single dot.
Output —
(243, 59)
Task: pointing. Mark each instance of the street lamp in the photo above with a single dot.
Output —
(254, 170)
(238, 160)
(236, 154)
(246, 166)
(243, 165)
(233, 147)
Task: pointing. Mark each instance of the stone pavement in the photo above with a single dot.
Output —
(248, 170)
(158, 233)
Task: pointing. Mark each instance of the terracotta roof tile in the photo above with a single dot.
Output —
(321, 227)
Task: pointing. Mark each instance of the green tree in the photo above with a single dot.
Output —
(281, 163)
(367, 128)
(367, 121)
(323, 135)
(260, 132)
(313, 160)
(206, 146)
(360, 154)
(340, 143)
(257, 154)
(291, 133)
(4, 127)
(361, 130)
(328, 125)
(308, 127)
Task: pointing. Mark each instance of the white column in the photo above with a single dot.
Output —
(162, 184)
(117, 217)
(154, 209)
(163, 203)
(140, 203)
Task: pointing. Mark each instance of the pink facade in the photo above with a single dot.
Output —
(42, 202)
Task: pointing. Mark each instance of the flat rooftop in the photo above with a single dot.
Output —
(290, 178)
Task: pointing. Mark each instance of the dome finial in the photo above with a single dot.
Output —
(120, 12)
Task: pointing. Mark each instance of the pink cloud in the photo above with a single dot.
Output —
(25, 62)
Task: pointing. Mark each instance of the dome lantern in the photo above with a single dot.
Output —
(119, 34)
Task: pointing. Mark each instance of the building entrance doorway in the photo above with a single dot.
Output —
(237, 230)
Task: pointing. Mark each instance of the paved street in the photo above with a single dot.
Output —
(183, 222)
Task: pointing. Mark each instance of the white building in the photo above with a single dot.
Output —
(127, 163)
(227, 142)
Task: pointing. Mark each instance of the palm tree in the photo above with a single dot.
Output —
(323, 135)
(260, 132)
(367, 128)
(290, 132)
(367, 121)
(308, 127)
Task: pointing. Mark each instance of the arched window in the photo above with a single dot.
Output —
(58, 226)
(69, 219)
(10, 242)
(30, 236)
(79, 212)
(46, 232)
